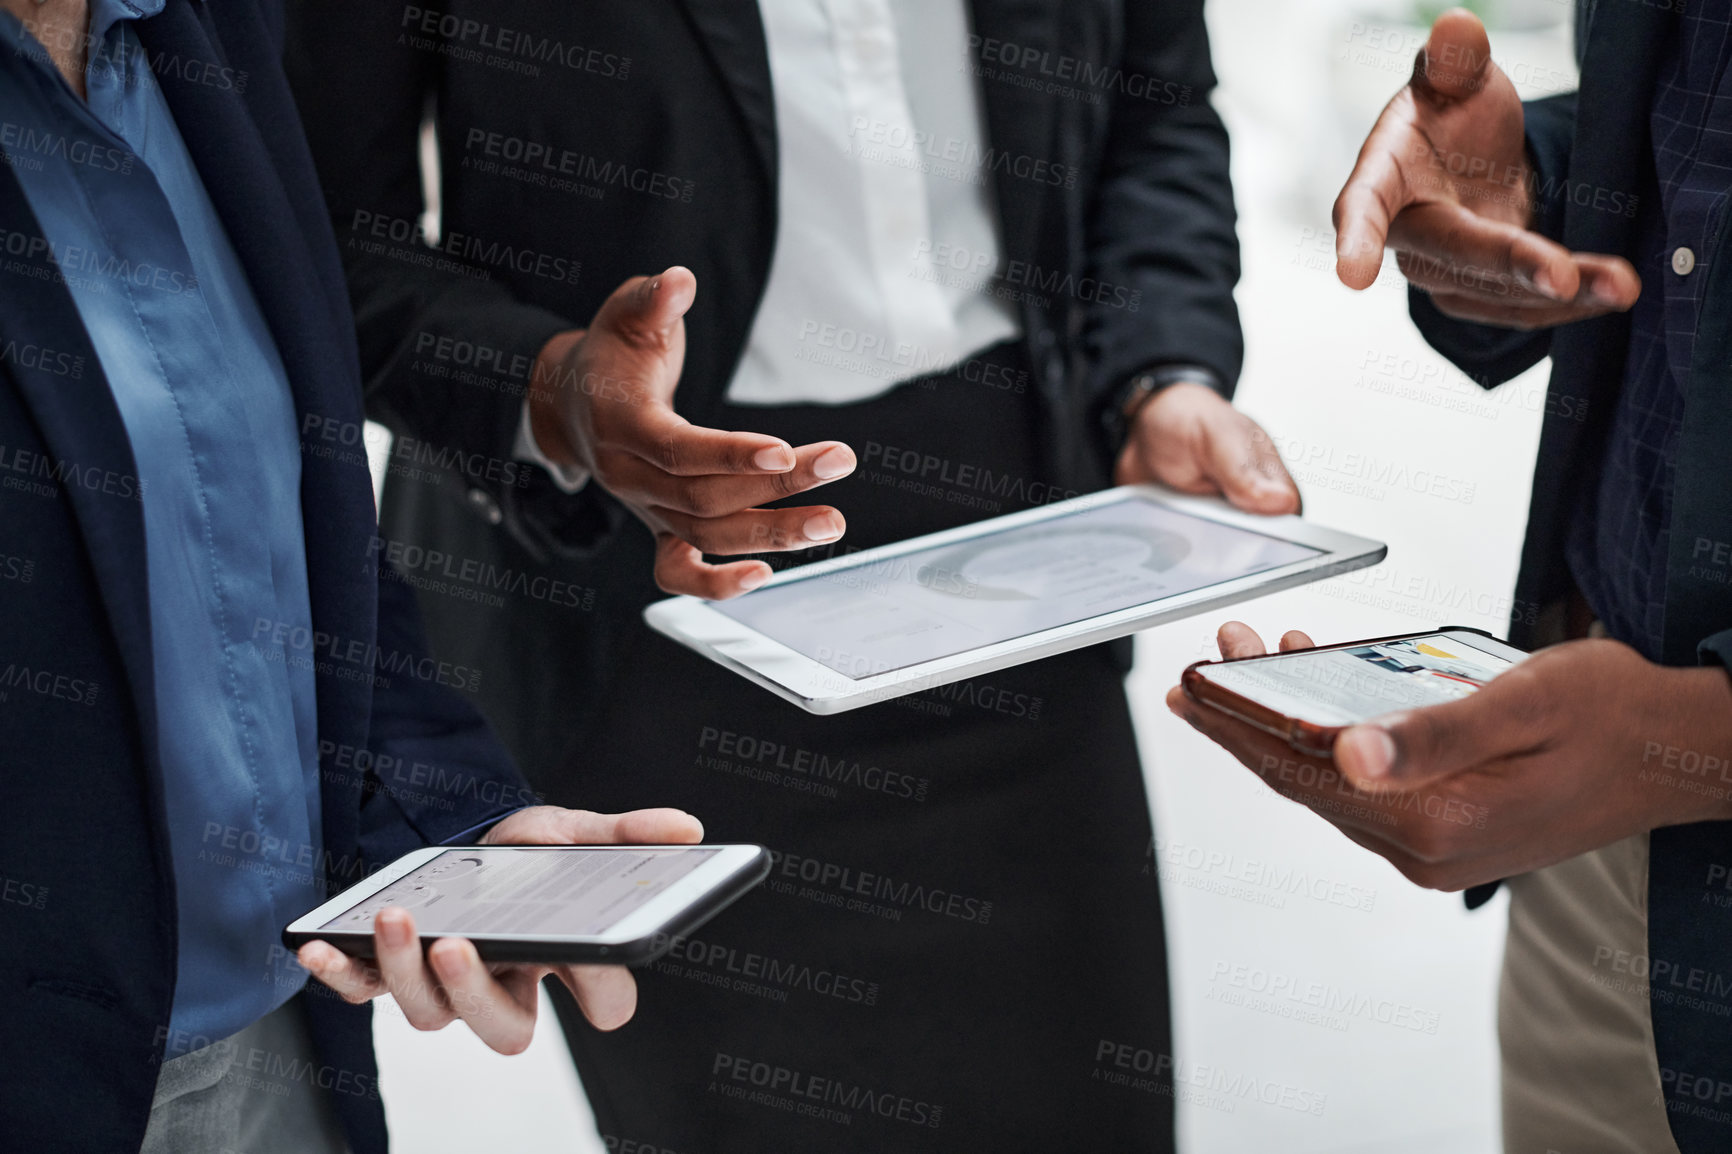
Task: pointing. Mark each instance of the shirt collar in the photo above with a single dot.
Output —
(105, 14)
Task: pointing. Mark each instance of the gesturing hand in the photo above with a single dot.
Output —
(1444, 180)
(609, 411)
(450, 981)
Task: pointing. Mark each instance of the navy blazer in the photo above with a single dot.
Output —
(87, 900)
(1595, 168)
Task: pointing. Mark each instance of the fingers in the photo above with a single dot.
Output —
(654, 433)
(354, 979)
(680, 569)
(499, 1009)
(646, 312)
(404, 969)
(1456, 56)
(718, 494)
(1244, 464)
(1190, 438)
(554, 825)
(1375, 192)
(607, 995)
(1237, 640)
(1449, 247)
(1608, 284)
(1417, 747)
(757, 530)
(1610, 281)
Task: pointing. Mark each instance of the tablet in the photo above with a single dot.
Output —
(902, 618)
(548, 904)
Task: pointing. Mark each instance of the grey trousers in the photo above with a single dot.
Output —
(261, 1091)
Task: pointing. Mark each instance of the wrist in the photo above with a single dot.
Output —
(550, 420)
(1694, 755)
(1135, 395)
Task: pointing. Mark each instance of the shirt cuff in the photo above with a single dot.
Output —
(479, 830)
(569, 479)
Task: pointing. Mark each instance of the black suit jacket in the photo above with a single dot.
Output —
(1596, 178)
(628, 137)
(88, 918)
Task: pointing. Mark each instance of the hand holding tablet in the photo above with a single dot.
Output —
(895, 620)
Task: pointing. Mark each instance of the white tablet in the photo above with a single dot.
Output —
(885, 622)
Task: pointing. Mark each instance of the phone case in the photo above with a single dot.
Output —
(641, 952)
(1304, 736)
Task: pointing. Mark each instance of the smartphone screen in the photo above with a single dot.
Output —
(1355, 683)
(503, 890)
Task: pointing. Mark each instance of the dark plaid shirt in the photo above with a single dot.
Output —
(1617, 550)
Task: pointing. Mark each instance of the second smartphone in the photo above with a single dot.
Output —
(1309, 696)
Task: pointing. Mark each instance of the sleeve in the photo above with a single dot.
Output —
(1488, 354)
(1162, 226)
(436, 771)
(1716, 650)
(363, 75)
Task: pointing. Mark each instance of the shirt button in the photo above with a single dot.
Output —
(483, 503)
(1683, 261)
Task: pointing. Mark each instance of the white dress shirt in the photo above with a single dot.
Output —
(887, 241)
(887, 238)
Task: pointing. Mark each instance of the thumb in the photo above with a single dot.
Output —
(646, 312)
(1453, 63)
(1420, 746)
(1244, 463)
(552, 825)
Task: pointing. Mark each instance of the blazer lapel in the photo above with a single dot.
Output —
(1019, 120)
(1624, 41)
(733, 35)
(81, 427)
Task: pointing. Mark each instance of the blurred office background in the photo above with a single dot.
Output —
(1299, 962)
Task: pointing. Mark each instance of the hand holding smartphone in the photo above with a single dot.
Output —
(1307, 697)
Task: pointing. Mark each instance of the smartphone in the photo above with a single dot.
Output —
(546, 904)
(1307, 697)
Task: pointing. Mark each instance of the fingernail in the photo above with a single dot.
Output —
(1547, 287)
(775, 459)
(394, 927)
(449, 962)
(833, 463)
(753, 580)
(1376, 751)
(823, 527)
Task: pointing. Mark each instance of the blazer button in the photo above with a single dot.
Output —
(1683, 261)
(484, 504)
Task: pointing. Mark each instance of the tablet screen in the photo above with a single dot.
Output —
(889, 614)
(506, 891)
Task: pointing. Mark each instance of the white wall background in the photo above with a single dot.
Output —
(1386, 441)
